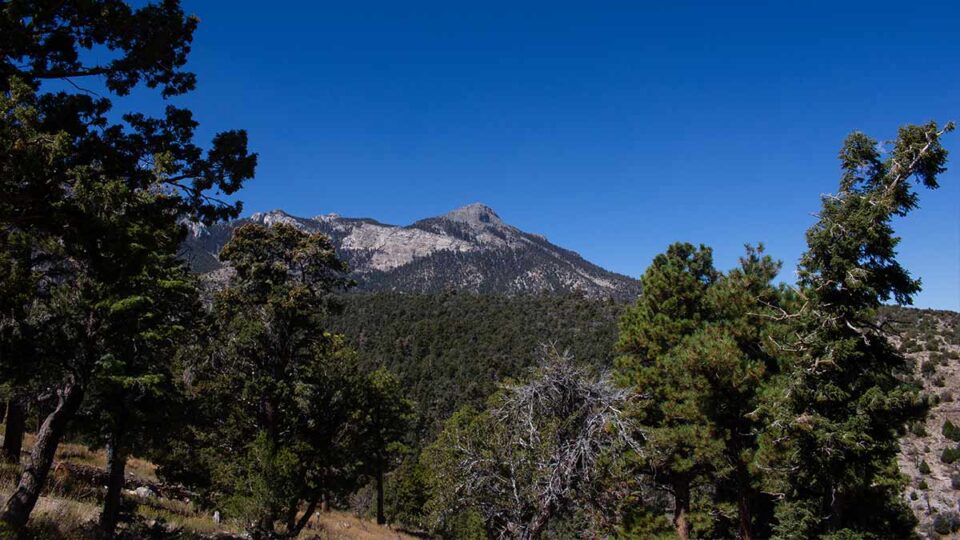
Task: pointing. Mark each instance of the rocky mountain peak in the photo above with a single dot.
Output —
(477, 215)
(469, 248)
(273, 216)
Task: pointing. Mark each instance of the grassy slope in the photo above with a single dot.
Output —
(65, 513)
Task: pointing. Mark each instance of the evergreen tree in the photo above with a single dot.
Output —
(680, 444)
(86, 192)
(695, 352)
(386, 418)
(845, 396)
(286, 391)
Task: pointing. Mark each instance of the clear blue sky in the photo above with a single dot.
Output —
(614, 128)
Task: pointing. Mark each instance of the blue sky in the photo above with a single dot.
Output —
(613, 128)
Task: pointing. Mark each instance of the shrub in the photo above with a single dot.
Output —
(939, 382)
(918, 428)
(923, 485)
(955, 480)
(951, 431)
(946, 397)
(946, 523)
(914, 496)
(950, 455)
(924, 467)
(928, 368)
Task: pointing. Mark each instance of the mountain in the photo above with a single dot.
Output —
(469, 249)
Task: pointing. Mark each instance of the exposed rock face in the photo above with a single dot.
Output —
(469, 248)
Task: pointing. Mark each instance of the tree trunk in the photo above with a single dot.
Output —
(16, 424)
(116, 464)
(746, 519)
(294, 528)
(744, 501)
(381, 519)
(18, 507)
(681, 509)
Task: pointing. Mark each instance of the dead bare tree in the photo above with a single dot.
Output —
(539, 448)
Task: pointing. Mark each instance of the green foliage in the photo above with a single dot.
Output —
(694, 346)
(92, 213)
(835, 416)
(452, 349)
(950, 455)
(384, 419)
(281, 393)
(946, 523)
(924, 468)
(951, 431)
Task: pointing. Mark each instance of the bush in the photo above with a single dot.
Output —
(951, 431)
(946, 397)
(950, 455)
(918, 428)
(924, 467)
(955, 480)
(928, 368)
(923, 485)
(946, 523)
(939, 382)
(914, 496)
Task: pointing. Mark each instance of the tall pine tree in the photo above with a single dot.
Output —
(845, 396)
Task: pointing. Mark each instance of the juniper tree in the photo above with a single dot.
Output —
(845, 396)
(17, 282)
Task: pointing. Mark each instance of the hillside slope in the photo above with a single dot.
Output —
(931, 339)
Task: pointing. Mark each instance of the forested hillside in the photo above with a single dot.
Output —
(454, 348)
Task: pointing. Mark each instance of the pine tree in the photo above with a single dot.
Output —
(286, 391)
(694, 348)
(386, 418)
(680, 447)
(86, 192)
(845, 396)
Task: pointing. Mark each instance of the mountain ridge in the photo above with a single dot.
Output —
(469, 248)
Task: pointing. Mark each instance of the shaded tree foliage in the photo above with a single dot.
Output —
(286, 391)
(99, 203)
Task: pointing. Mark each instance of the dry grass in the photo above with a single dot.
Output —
(344, 526)
(62, 515)
(326, 525)
(57, 518)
